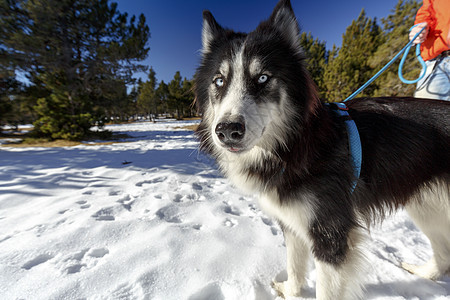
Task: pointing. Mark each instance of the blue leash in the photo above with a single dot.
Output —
(404, 51)
(354, 141)
(422, 62)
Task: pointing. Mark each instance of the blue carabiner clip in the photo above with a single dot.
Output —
(419, 57)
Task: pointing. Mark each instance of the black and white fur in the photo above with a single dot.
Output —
(272, 137)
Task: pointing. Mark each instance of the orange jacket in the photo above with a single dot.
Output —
(437, 14)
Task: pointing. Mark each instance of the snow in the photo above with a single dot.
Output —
(150, 217)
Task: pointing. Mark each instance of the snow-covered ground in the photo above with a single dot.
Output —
(151, 218)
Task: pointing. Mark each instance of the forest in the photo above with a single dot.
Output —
(68, 65)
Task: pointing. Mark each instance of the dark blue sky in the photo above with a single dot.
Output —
(175, 25)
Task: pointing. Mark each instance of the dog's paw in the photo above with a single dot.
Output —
(284, 290)
(277, 288)
(427, 271)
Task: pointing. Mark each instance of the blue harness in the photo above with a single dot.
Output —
(354, 141)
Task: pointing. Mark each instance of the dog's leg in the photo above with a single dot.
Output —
(342, 280)
(431, 213)
(297, 263)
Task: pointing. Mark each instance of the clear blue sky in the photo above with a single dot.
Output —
(175, 25)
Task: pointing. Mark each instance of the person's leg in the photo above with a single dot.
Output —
(436, 82)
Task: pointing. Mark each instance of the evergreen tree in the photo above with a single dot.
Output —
(176, 94)
(316, 54)
(75, 53)
(162, 94)
(188, 97)
(9, 87)
(350, 69)
(119, 103)
(180, 96)
(396, 29)
(147, 99)
(132, 100)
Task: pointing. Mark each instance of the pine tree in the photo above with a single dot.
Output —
(395, 36)
(176, 94)
(74, 52)
(350, 69)
(9, 88)
(188, 97)
(147, 99)
(119, 103)
(132, 100)
(162, 94)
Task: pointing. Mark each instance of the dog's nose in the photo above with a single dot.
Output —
(230, 132)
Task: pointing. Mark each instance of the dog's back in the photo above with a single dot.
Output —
(422, 111)
(405, 143)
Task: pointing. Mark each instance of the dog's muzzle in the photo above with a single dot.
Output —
(231, 134)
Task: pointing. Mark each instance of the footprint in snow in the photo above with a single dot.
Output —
(273, 228)
(267, 221)
(83, 204)
(40, 259)
(115, 193)
(254, 210)
(152, 181)
(169, 214)
(4, 238)
(78, 255)
(231, 210)
(177, 198)
(104, 214)
(74, 268)
(126, 202)
(230, 222)
(86, 258)
(41, 229)
(197, 226)
(184, 198)
(98, 252)
(197, 186)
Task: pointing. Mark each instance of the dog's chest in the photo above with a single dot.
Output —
(292, 213)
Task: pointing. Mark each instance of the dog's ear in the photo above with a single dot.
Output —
(283, 19)
(211, 31)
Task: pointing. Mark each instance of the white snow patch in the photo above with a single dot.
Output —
(79, 223)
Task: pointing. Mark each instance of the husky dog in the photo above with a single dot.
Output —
(272, 137)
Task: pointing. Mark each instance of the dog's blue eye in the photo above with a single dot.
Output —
(219, 82)
(263, 78)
